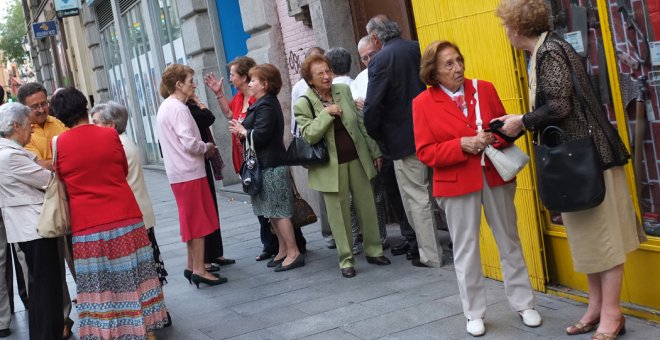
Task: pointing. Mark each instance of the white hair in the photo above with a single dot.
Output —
(11, 113)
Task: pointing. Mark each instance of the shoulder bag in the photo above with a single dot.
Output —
(250, 169)
(300, 152)
(508, 161)
(569, 172)
(303, 214)
(55, 219)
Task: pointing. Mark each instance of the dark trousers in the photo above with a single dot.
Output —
(20, 282)
(388, 179)
(270, 242)
(212, 242)
(45, 287)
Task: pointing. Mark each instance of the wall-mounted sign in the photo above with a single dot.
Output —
(575, 39)
(67, 8)
(655, 52)
(44, 29)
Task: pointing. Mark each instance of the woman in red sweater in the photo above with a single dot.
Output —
(119, 295)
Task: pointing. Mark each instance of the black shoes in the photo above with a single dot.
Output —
(412, 254)
(187, 273)
(298, 262)
(400, 249)
(274, 263)
(379, 260)
(348, 272)
(196, 279)
(330, 243)
(5, 332)
(223, 262)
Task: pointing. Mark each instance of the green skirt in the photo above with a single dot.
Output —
(276, 197)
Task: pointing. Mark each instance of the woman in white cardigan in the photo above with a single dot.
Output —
(21, 197)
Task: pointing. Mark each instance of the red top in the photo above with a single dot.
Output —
(439, 125)
(92, 163)
(236, 106)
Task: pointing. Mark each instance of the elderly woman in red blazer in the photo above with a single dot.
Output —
(447, 140)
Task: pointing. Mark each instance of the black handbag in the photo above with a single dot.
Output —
(300, 152)
(569, 173)
(250, 169)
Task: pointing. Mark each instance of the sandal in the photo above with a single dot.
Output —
(264, 256)
(211, 267)
(67, 329)
(581, 328)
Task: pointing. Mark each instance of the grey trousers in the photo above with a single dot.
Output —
(413, 180)
(464, 220)
(5, 312)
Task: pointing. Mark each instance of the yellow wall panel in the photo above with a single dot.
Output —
(473, 26)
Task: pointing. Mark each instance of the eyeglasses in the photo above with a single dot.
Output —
(44, 105)
(366, 58)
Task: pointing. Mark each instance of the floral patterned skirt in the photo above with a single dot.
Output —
(119, 295)
(276, 197)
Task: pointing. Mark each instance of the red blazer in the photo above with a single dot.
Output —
(439, 125)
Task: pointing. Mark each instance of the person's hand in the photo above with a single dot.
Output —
(210, 149)
(512, 124)
(46, 164)
(359, 103)
(378, 163)
(476, 144)
(197, 102)
(237, 128)
(334, 110)
(214, 84)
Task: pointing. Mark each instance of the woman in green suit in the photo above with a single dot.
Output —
(354, 158)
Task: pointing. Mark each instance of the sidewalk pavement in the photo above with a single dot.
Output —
(398, 301)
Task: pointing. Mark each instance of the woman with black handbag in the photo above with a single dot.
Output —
(328, 112)
(263, 130)
(561, 95)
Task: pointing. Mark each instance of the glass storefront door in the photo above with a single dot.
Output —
(144, 75)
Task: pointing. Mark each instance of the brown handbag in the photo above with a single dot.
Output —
(303, 214)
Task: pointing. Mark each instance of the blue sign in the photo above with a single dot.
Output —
(67, 8)
(44, 29)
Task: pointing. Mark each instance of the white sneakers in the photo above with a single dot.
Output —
(476, 327)
(530, 317)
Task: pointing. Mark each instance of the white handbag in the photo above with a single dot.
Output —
(55, 219)
(508, 161)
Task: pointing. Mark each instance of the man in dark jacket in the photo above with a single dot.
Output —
(393, 83)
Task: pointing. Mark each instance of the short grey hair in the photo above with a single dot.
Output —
(340, 60)
(112, 112)
(364, 42)
(385, 28)
(11, 113)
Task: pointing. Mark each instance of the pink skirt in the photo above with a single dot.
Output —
(197, 216)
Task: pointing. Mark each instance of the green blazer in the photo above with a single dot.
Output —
(325, 177)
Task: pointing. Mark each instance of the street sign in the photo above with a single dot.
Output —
(44, 29)
(67, 8)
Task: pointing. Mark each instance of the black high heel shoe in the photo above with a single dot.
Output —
(298, 262)
(196, 279)
(187, 273)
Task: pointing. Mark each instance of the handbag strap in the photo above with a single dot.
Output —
(293, 182)
(311, 108)
(53, 144)
(477, 111)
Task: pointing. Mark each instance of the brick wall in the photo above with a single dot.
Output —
(297, 39)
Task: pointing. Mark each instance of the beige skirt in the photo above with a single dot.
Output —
(601, 237)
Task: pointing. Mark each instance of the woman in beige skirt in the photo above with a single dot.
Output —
(600, 237)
